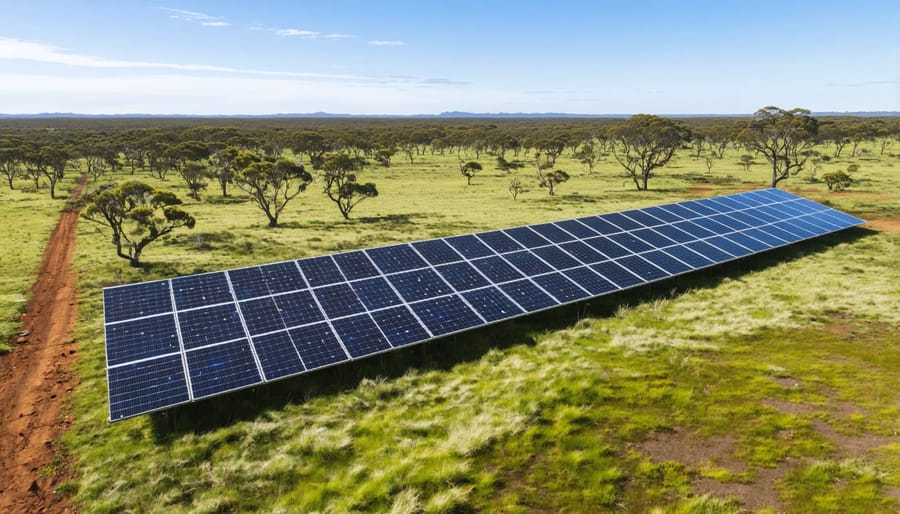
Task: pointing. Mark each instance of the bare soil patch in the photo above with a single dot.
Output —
(36, 379)
(851, 445)
(794, 408)
(692, 450)
(889, 225)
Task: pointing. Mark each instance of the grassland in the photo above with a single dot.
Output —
(28, 219)
(780, 371)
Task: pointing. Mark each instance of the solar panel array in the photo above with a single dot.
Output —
(174, 341)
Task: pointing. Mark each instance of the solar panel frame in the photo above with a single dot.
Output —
(760, 220)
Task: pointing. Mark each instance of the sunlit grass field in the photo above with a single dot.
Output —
(547, 413)
(28, 218)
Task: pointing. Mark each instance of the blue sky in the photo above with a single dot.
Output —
(429, 56)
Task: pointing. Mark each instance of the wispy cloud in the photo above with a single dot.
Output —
(19, 50)
(444, 82)
(381, 42)
(203, 19)
(305, 34)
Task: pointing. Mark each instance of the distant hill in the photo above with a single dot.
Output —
(448, 114)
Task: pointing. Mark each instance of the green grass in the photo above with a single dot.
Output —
(29, 217)
(545, 413)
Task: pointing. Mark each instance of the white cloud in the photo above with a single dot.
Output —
(16, 49)
(380, 42)
(305, 34)
(203, 19)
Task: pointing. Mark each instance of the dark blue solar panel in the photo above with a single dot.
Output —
(393, 259)
(621, 221)
(699, 208)
(592, 282)
(355, 265)
(662, 214)
(376, 293)
(527, 263)
(526, 237)
(747, 242)
(779, 233)
(728, 203)
(528, 295)
(688, 256)
(765, 237)
(298, 308)
(675, 234)
(710, 252)
(199, 290)
(437, 251)
(462, 276)
(496, 269)
(712, 226)
(746, 218)
(469, 246)
(223, 367)
(556, 257)
(146, 386)
(419, 285)
(643, 217)
(669, 264)
(616, 274)
(137, 301)
(360, 335)
(728, 246)
(282, 277)
(553, 233)
(499, 242)
(653, 238)
(277, 355)
(583, 252)
(607, 247)
(338, 300)
(262, 315)
(642, 268)
(400, 326)
(600, 225)
(711, 204)
(211, 325)
(729, 221)
(693, 229)
(321, 271)
(577, 229)
(561, 288)
(631, 243)
(680, 211)
(445, 315)
(248, 283)
(492, 304)
(317, 345)
(141, 338)
(348, 309)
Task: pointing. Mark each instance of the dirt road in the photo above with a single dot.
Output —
(36, 379)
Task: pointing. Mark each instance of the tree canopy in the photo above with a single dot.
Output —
(341, 186)
(645, 142)
(783, 137)
(137, 213)
(271, 185)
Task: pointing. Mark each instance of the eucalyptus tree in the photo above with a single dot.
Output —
(783, 137)
(644, 143)
(339, 174)
(137, 213)
(271, 185)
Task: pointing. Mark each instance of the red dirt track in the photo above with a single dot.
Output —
(36, 379)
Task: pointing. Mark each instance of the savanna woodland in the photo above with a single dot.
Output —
(768, 383)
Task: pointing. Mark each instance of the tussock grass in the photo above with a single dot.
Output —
(543, 413)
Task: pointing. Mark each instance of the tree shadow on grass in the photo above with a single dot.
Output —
(471, 346)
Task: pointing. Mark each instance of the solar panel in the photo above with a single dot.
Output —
(170, 342)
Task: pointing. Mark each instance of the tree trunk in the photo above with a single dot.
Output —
(273, 221)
